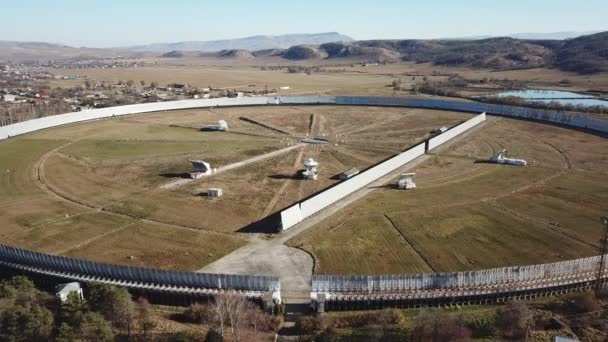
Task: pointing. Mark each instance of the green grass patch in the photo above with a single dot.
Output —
(17, 158)
(124, 149)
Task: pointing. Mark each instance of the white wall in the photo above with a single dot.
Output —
(64, 119)
(316, 203)
(326, 198)
(291, 216)
(455, 131)
(575, 120)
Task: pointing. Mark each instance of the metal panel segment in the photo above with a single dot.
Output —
(117, 273)
(291, 216)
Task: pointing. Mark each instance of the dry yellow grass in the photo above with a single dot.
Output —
(459, 206)
(344, 79)
(466, 215)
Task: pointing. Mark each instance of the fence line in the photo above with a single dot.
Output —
(468, 286)
(554, 116)
(137, 277)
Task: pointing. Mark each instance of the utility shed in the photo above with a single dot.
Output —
(349, 174)
(63, 290)
(9, 98)
(406, 181)
(215, 192)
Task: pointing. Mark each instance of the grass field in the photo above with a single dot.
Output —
(92, 190)
(466, 215)
(169, 247)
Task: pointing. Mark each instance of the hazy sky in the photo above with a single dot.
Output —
(106, 23)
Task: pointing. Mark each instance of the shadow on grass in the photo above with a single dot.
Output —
(283, 176)
(484, 161)
(270, 224)
(183, 175)
(391, 186)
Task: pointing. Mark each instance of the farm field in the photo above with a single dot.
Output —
(93, 190)
(467, 215)
(343, 79)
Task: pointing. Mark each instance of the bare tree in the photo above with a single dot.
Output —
(236, 305)
(513, 319)
(220, 310)
(145, 317)
(255, 316)
(586, 302)
(433, 326)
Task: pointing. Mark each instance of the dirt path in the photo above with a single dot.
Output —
(353, 154)
(182, 182)
(38, 175)
(270, 126)
(420, 255)
(374, 124)
(281, 191)
(95, 238)
(316, 125)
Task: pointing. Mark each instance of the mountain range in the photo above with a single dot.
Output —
(585, 54)
(534, 35)
(252, 43)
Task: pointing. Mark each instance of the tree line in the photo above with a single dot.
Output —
(109, 313)
(29, 314)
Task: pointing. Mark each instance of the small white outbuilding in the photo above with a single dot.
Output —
(406, 181)
(215, 192)
(63, 291)
(9, 98)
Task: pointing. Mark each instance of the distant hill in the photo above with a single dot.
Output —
(533, 35)
(249, 43)
(552, 35)
(45, 51)
(585, 54)
(492, 53)
(173, 54)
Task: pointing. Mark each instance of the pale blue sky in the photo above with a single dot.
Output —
(125, 22)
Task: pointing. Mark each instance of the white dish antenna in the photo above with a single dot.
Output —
(311, 163)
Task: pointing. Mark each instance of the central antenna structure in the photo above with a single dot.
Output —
(311, 171)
